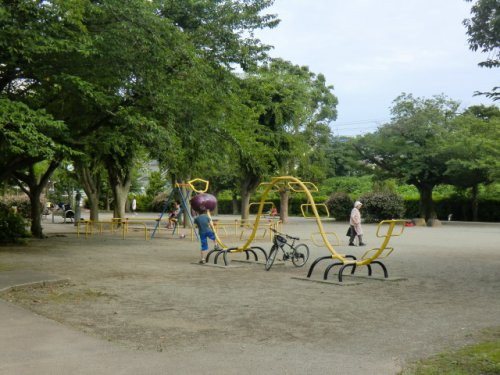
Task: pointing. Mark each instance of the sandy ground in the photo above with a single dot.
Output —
(444, 288)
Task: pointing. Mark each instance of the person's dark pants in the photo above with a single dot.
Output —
(353, 234)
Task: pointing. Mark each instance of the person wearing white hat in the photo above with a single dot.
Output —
(355, 223)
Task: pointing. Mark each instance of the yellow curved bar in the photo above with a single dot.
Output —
(276, 188)
(329, 236)
(389, 225)
(217, 238)
(309, 186)
(317, 205)
(256, 203)
(198, 180)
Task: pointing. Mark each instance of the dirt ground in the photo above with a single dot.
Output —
(444, 288)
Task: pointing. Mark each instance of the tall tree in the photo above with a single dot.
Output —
(474, 156)
(410, 146)
(292, 103)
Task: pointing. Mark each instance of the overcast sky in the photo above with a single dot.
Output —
(372, 51)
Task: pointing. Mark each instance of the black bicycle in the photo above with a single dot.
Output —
(298, 254)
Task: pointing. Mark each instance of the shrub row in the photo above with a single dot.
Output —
(379, 206)
(460, 209)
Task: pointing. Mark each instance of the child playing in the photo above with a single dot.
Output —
(174, 215)
(205, 231)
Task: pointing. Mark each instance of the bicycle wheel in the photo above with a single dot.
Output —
(300, 255)
(271, 257)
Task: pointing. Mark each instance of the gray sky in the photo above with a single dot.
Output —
(372, 51)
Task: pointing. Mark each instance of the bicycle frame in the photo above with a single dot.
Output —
(291, 247)
(297, 253)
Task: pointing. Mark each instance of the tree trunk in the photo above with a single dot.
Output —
(245, 202)
(120, 182)
(236, 208)
(36, 213)
(108, 201)
(426, 204)
(120, 193)
(93, 205)
(34, 189)
(187, 219)
(284, 196)
(248, 185)
(475, 203)
(91, 183)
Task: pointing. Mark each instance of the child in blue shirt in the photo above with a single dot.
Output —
(205, 231)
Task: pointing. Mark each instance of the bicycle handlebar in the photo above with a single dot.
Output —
(286, 235)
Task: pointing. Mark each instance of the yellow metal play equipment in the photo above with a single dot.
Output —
(386, 230)
(194, 184)
(289, 182)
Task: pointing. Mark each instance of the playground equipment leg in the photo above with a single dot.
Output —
(260, 249)
(224, 256)
(311, 268)
(386, 274)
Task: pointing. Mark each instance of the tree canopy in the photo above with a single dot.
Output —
(409, 147)
(483, 30)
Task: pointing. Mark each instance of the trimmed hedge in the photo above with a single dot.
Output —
(382, 205)
(460, 209)
(340, 205)
(489, 209)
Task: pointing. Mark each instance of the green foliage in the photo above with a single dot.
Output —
(482, 358)
(354, 186)
(13, 227)
(340, 205)
(411, 147)
(379, 206)
(27, 136)
(472, 147)
(483, 29)
(156, 184)
(159, 201)
(412, 209)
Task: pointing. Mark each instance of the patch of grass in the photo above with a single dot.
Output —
(482, 358)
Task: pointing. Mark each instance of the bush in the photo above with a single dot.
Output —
(351, 185)
(144, 203)
(22, 203)
(12, 226)
(382, 206)
(158, 203)
(339, 205)
(412, 207)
